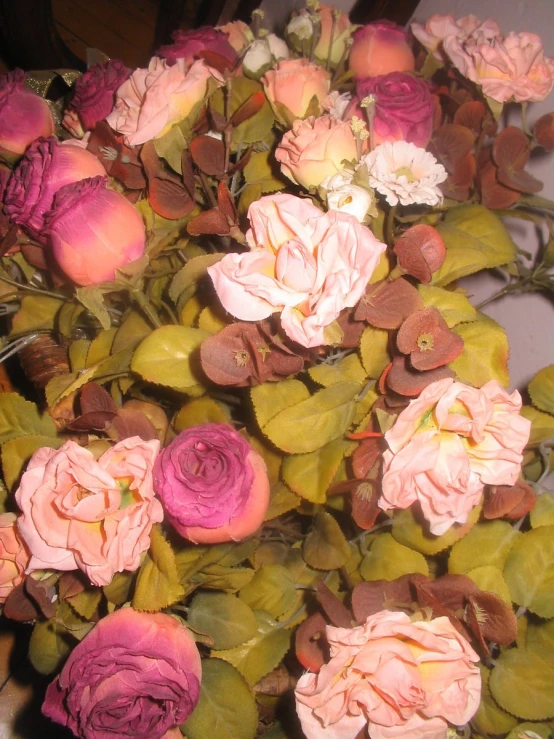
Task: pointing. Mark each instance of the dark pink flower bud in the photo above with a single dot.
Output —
(380, 48)
(189, 45)
(94, 96)
(24, 115)
(46, 167)
(94, 231)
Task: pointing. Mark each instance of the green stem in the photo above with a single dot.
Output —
(145, 306)
(35, 290)
(389, 229)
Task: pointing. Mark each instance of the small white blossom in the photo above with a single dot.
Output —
(405, 174)
(301, 26)
(278, 47)
(336, 104)
(257, 59)
(344, 196)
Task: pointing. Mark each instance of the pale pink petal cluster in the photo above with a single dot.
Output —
(393, 676)
(447, 445)
(405, 173)
(88, 514)
(152, 100)
(303, 263)
(439, 27)
(14, 556)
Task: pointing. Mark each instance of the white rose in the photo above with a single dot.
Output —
(278, 47)
(301, 26)
(258, 59)
(346, 197)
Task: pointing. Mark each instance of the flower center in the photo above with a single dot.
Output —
(425, 342)
(128, 496)
(407, 173)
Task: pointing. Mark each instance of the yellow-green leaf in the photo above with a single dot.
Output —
(486, 544)
(100, 348)
(490, 718)
(491, 580)
(47, 647)
(20, 417)
(222, 691)
(92, 299)
(485, 353)
(158, 583)
(169, 357)
(325, 547)
(314, 422)
(36, 313)
(410, 532)
(374, 350)
(131, 332)
(387, 560)
(521, 683)
(310, 475)
(529, 572)
(271, 398)
(540, 638)
(542, 424)
(118, 590)
(475, 239)
(86, 602)
(194, 269)
(348, 369)
(226, 619)
(281, 501)
(261, 170)
(453, 305)
(528, 730)
(199, 411)
(541, 389)
(272, 589)
(17, 452)
(543, 512)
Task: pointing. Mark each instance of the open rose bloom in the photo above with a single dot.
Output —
(398, 678)
(447, 445)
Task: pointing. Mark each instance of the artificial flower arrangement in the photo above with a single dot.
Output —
(269, 480)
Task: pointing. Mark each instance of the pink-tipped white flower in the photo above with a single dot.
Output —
(405, 174)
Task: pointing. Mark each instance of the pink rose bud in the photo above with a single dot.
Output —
(94, 231)
(14, 556)
(213, 485)
(296, 88)
(191, 45)
(380, 48)
(46, 167)
(94, 96)
(24, 115)
(134, 675)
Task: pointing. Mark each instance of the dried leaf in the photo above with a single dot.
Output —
(388, 304)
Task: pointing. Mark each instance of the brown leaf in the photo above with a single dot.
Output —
(450, 143)
(351, 329)
(278, 682)
(420, 251)
(509, 501)
(459, 184)
(366, 457)
(511, 151)
(169, 198)
(226, 203)
(544, 131)
(249, 108)
(187, 173)
(95, 421)
(427, 339)
(209, 155)
(492, 617)
(472, 115)
(43, 594)
(129, 422)
(404, 380)
(70, 585)
(94, 398)
(311, 643)
(388, 304)
(364, 504)
(450, 591)
(494, 195)
(209, 222)
(216, 61)
(369, 598)
(337, 613)
(19, 606)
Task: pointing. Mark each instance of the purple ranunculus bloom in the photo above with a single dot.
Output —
(189, 45)
(24, 115)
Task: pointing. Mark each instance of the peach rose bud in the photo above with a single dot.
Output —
(296, 88)
(380, 48)
(94, 231)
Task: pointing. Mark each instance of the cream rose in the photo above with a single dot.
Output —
(396, 677)
(95, 515)
(447, 445)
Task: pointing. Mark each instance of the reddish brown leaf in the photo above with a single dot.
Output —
(209, 155)
(427, 339)
(366, 457)
(43, 594)
(404, 380)
(19, 606)
(459, 184)
(36, 256)
(364, 504)
(509, 501)
(187, 173)
(277, 682)
(420, 251)
(451, 143)
(351, 329)
(94, 398)
(216, 61)
(369, 598)
(337, 613)
(226, 203)
(544, 131)
(241, 163)
(450, 591)
(388, 304)
(209, 222)
(70, 585)
(471, 115)
(249, 108)
(169, 198)
(311, 643)
(495, 619)
(129, 422)
(95, 421)
(511, 151)
(493, 194)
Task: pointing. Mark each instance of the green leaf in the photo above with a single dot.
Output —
(100, 348)
(325, 547)
(521, 683)
(543, 512)
(229, 579)
(272, 589)
(475, 239)
(540, 639)
(118, 591)
(542, 424)
(281, 500)
(271, 398)
(131, 332)
(223, 617)
(262, 653)
(48, 646)
(387, 560)
(68, 317)
(86, 602)
(453, 305)
(486, 544)
(194, 269)
(158, 583)
(314, 422)
(261, 170)
(20, 417)
(170, 147)
(92, 298)
(491, 580)
(255, 128)
(310, 475)
(490, 718)
(36, 313)
(529, 572)
(17, 452)
(485, 353)
(222, 691)
(198, 412)
(168, 356)
(348, 369)
(374, 350)
(410, 532)
(541, 389)
(529, 730)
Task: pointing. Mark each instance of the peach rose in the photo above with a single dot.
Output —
(314, 149)
(396, 677)
(447, 445)
(296, 88)
(14, 556)
(438, 27)
(513, 67)
(239, 33)
(380, 48)
(152, 100)
(307, 264)
(95, 515)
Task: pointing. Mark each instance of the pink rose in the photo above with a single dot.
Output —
(152, 100)
(438, 27)
(396, 677)
(404, 108)
(190, 45)
(296, 88)
(315, 149)
(46, 167)
(213, 485)
(304, 263)
(24, 115)
(134, 675)
(334, 37)
(508, 68)
(14, 556)
(94, 96)
(447, 445)
(94, 231)
(238, 33)
(380, 48)
(95, 515)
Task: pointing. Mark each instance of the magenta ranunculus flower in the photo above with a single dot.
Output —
(24, 115)
(380, 48)
(404, 108)
(391, 677)
(94, 231)
(94, 96)
(213, 485)
(189, 45)
(134, 675)
(46, 167)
